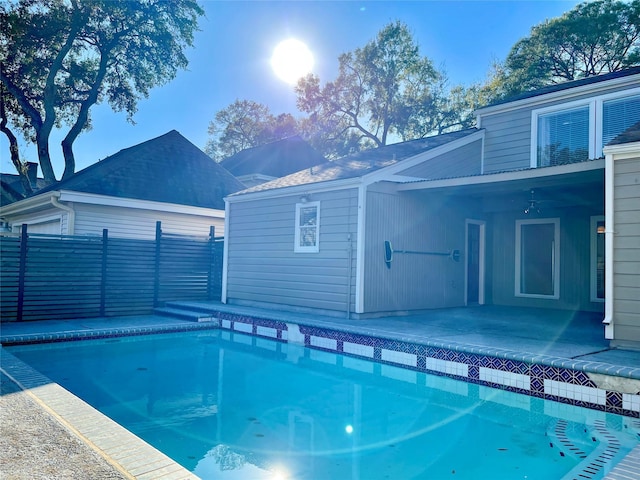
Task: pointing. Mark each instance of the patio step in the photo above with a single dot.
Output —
(185, 314)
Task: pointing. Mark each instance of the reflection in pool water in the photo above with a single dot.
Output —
(231, 406)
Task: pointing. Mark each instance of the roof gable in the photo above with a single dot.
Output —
(362, 163)
(167, 169)
(275, 159)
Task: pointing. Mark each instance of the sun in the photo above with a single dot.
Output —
(291, 60)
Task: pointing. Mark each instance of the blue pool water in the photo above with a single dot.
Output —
(231, 406)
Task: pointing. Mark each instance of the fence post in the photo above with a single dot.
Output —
(103, 281)
(22, 271)
(212, 256)
(156, 286)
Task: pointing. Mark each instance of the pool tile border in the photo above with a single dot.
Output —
(129, 454)
(551, 378)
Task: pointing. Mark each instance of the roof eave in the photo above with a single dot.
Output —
(561, 94)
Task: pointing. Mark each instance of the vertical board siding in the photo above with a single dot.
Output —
(70, 277)
(626, 267)
(575, 245)
(262, 266)
(413, 282)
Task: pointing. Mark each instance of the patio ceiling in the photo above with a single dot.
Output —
(559, 187)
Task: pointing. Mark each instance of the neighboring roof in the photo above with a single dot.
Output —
(167, 169)
(11, 189)
(361, 163)
(275, 159)
(630, 135)
(569, 84)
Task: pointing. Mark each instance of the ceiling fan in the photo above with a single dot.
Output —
(533, 205)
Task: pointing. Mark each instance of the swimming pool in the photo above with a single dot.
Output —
(227, 405)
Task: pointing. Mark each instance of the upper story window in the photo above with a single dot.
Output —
(578, 131)
(307, 227)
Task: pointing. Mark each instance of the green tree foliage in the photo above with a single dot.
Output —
(383, 89)
(246, 124)
(592, 39)
(60, 57)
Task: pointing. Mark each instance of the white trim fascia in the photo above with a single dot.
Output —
(481, 259)
(16, 208)
(94, 199)
(609, 230)
(387, 173)
(631, 80)
(403, 179)
(307, 188)
(506, 176)
(225, 254)
(360, 246)
(556, 257)
(623, 151)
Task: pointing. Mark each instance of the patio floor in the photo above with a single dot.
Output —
(527, 332)
(549, 336)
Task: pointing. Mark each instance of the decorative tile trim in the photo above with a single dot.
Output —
(540, 376)
(572, 391)
(448, 367)
(506, 378)
(631, 402)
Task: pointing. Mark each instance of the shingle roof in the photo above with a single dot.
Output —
(166, 169)
(275, 159)
(569, 84)
(630, 135)
(12, 190)
(361, 163)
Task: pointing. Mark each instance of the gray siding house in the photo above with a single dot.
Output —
(518, 212)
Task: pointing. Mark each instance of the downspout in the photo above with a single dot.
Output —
(608, 247)
(71, 217)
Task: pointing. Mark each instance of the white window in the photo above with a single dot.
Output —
(307, 227)
(538, 258)
(597, 259)
(578, 131)
(563, 137)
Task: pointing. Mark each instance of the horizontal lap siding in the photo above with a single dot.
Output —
(262, 266)
(413, 282)
(508, 135)
(507, 143)
(137, 223)
(463, 161)
(626, 267)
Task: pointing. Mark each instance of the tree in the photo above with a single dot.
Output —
(59, 58)
(246, 124)
(592, 39)
(382, 89)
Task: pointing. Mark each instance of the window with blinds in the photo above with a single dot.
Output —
(563, 137)
(618, 115)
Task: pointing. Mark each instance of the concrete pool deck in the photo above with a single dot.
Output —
(551, 336)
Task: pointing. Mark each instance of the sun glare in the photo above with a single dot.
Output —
(291, 60)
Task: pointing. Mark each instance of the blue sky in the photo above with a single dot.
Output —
(230, 60)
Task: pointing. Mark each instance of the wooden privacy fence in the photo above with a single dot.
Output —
(54, 277)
